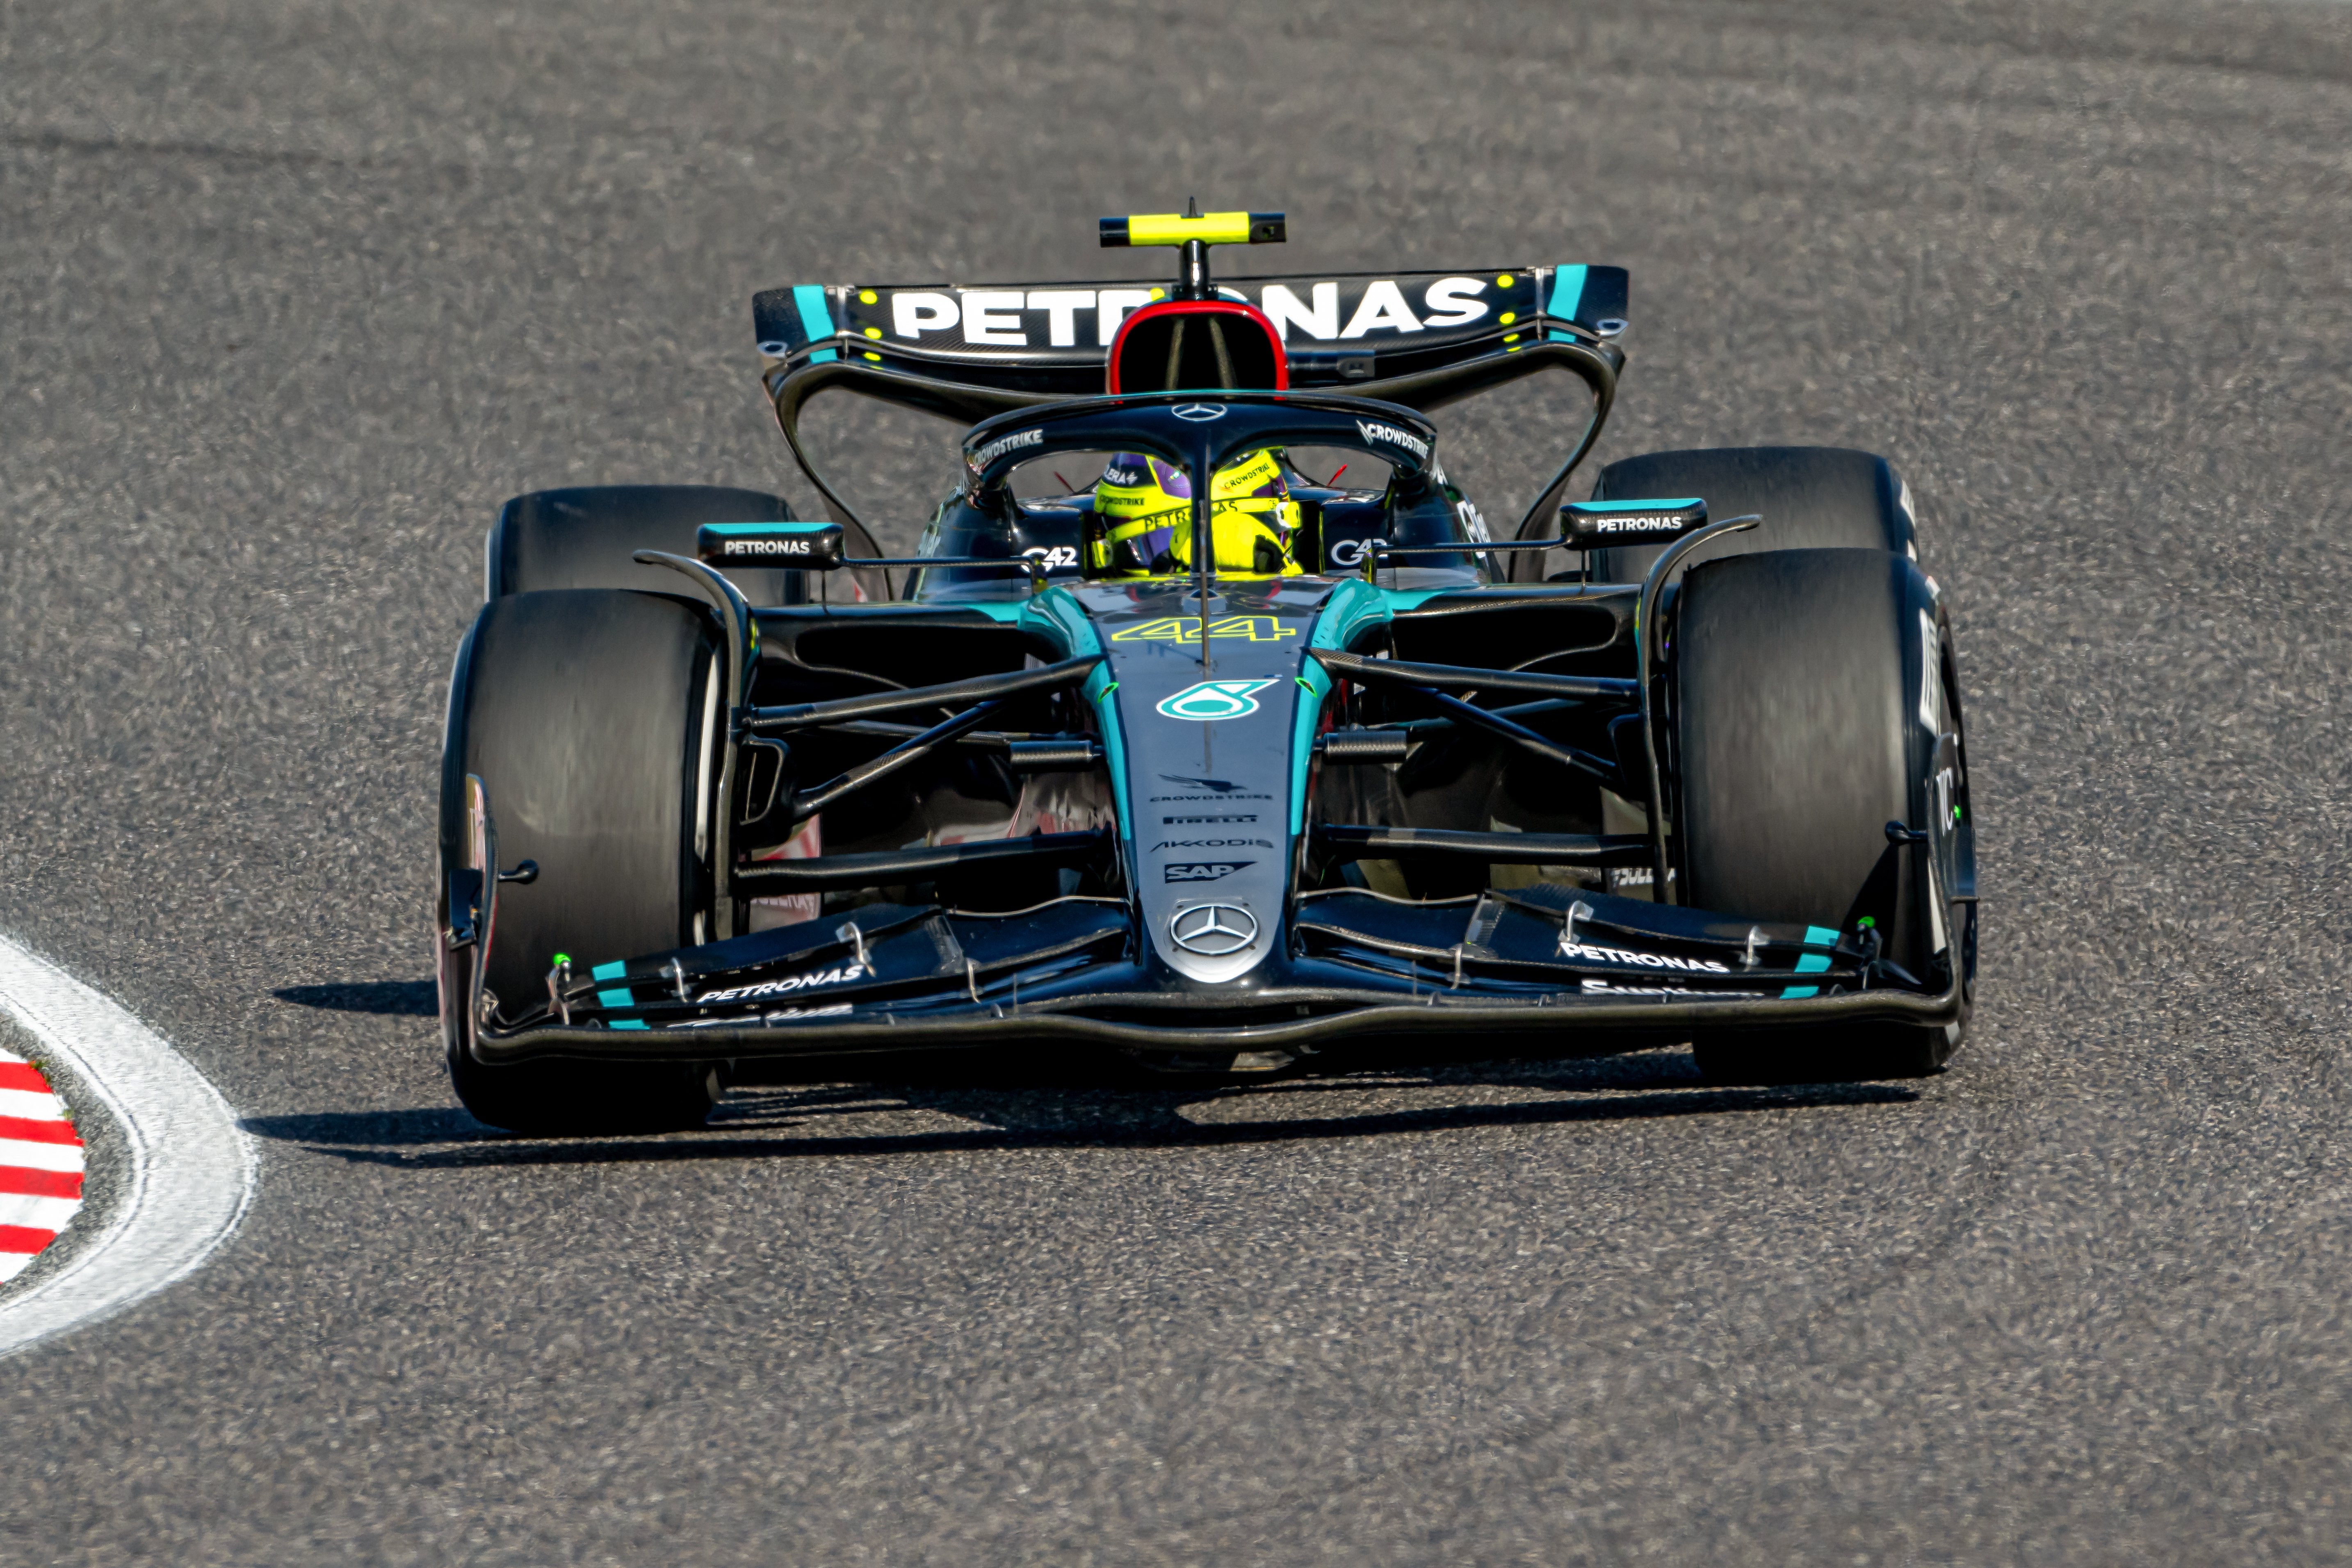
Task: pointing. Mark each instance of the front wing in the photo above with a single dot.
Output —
(1547, 959)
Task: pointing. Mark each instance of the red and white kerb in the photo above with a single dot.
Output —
(40, 1164)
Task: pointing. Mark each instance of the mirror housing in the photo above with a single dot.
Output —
(1608, 524)
(807, 546)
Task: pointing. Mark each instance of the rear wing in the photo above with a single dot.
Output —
(1340, 330)
(967, 353)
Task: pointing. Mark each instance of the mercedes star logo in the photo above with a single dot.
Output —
(1212, 930)
(1200, 413)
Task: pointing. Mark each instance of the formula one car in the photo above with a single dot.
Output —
(1203, 759)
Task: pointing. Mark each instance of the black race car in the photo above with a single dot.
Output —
(1216, 786)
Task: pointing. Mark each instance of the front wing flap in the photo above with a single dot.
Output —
(1547, 957)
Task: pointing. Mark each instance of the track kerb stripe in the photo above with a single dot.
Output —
(188, 1168)
(40, 1165)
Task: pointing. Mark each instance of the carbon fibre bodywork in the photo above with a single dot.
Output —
(1396, 792)
(1220, 813)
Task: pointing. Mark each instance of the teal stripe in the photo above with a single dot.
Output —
(1792, 991)
(758, 528)
(629, 1023)
(1820, 936)
(608, 971)
(1567, 292)
(1642, 505)
(816, 314)
(1100, 688)
(1353, 605)
(1318, 682)
(620, 998)
(1812, 963)
(821, 355)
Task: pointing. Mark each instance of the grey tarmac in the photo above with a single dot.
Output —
(295, 292)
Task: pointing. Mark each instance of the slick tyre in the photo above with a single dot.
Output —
(1812, 498)
(588, 538)
(1815, 700)
(586, 714)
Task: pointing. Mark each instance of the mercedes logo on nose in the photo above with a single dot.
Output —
(1212, 930)
(1200, 413)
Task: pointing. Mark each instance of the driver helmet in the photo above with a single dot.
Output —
(1145, 508)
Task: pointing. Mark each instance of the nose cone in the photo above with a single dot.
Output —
(1210, 754)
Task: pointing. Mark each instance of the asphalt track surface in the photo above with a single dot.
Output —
(295, 294)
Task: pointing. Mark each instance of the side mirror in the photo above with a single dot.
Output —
(808, 546)
(1610, 524)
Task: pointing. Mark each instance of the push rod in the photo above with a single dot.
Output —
(808, 803)
(1519, 735)
(813, 715)
(1338, 841)
(1467, 678)
(886, 866)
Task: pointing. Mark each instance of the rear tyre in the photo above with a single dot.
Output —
(584, 712)
(1815, 700)
(1812, 498)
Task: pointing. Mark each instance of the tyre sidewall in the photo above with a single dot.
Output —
(582, 712)
(1828, 682)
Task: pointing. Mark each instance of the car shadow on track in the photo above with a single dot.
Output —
(964, 1104)
(399, 998)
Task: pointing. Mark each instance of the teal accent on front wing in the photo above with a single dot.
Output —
(629, 1023)
(816, 311)
(621, 998)
(1652, 506)
(608, 971)
(821, 356)
(1810, 963)
(1567, 292)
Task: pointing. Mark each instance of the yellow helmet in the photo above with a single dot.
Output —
(1145, 508)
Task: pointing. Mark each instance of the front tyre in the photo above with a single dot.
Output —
(1815, 700)
(586, 713)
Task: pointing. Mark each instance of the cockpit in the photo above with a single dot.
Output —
(1276, 500)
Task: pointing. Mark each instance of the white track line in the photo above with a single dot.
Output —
(189, 1167)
